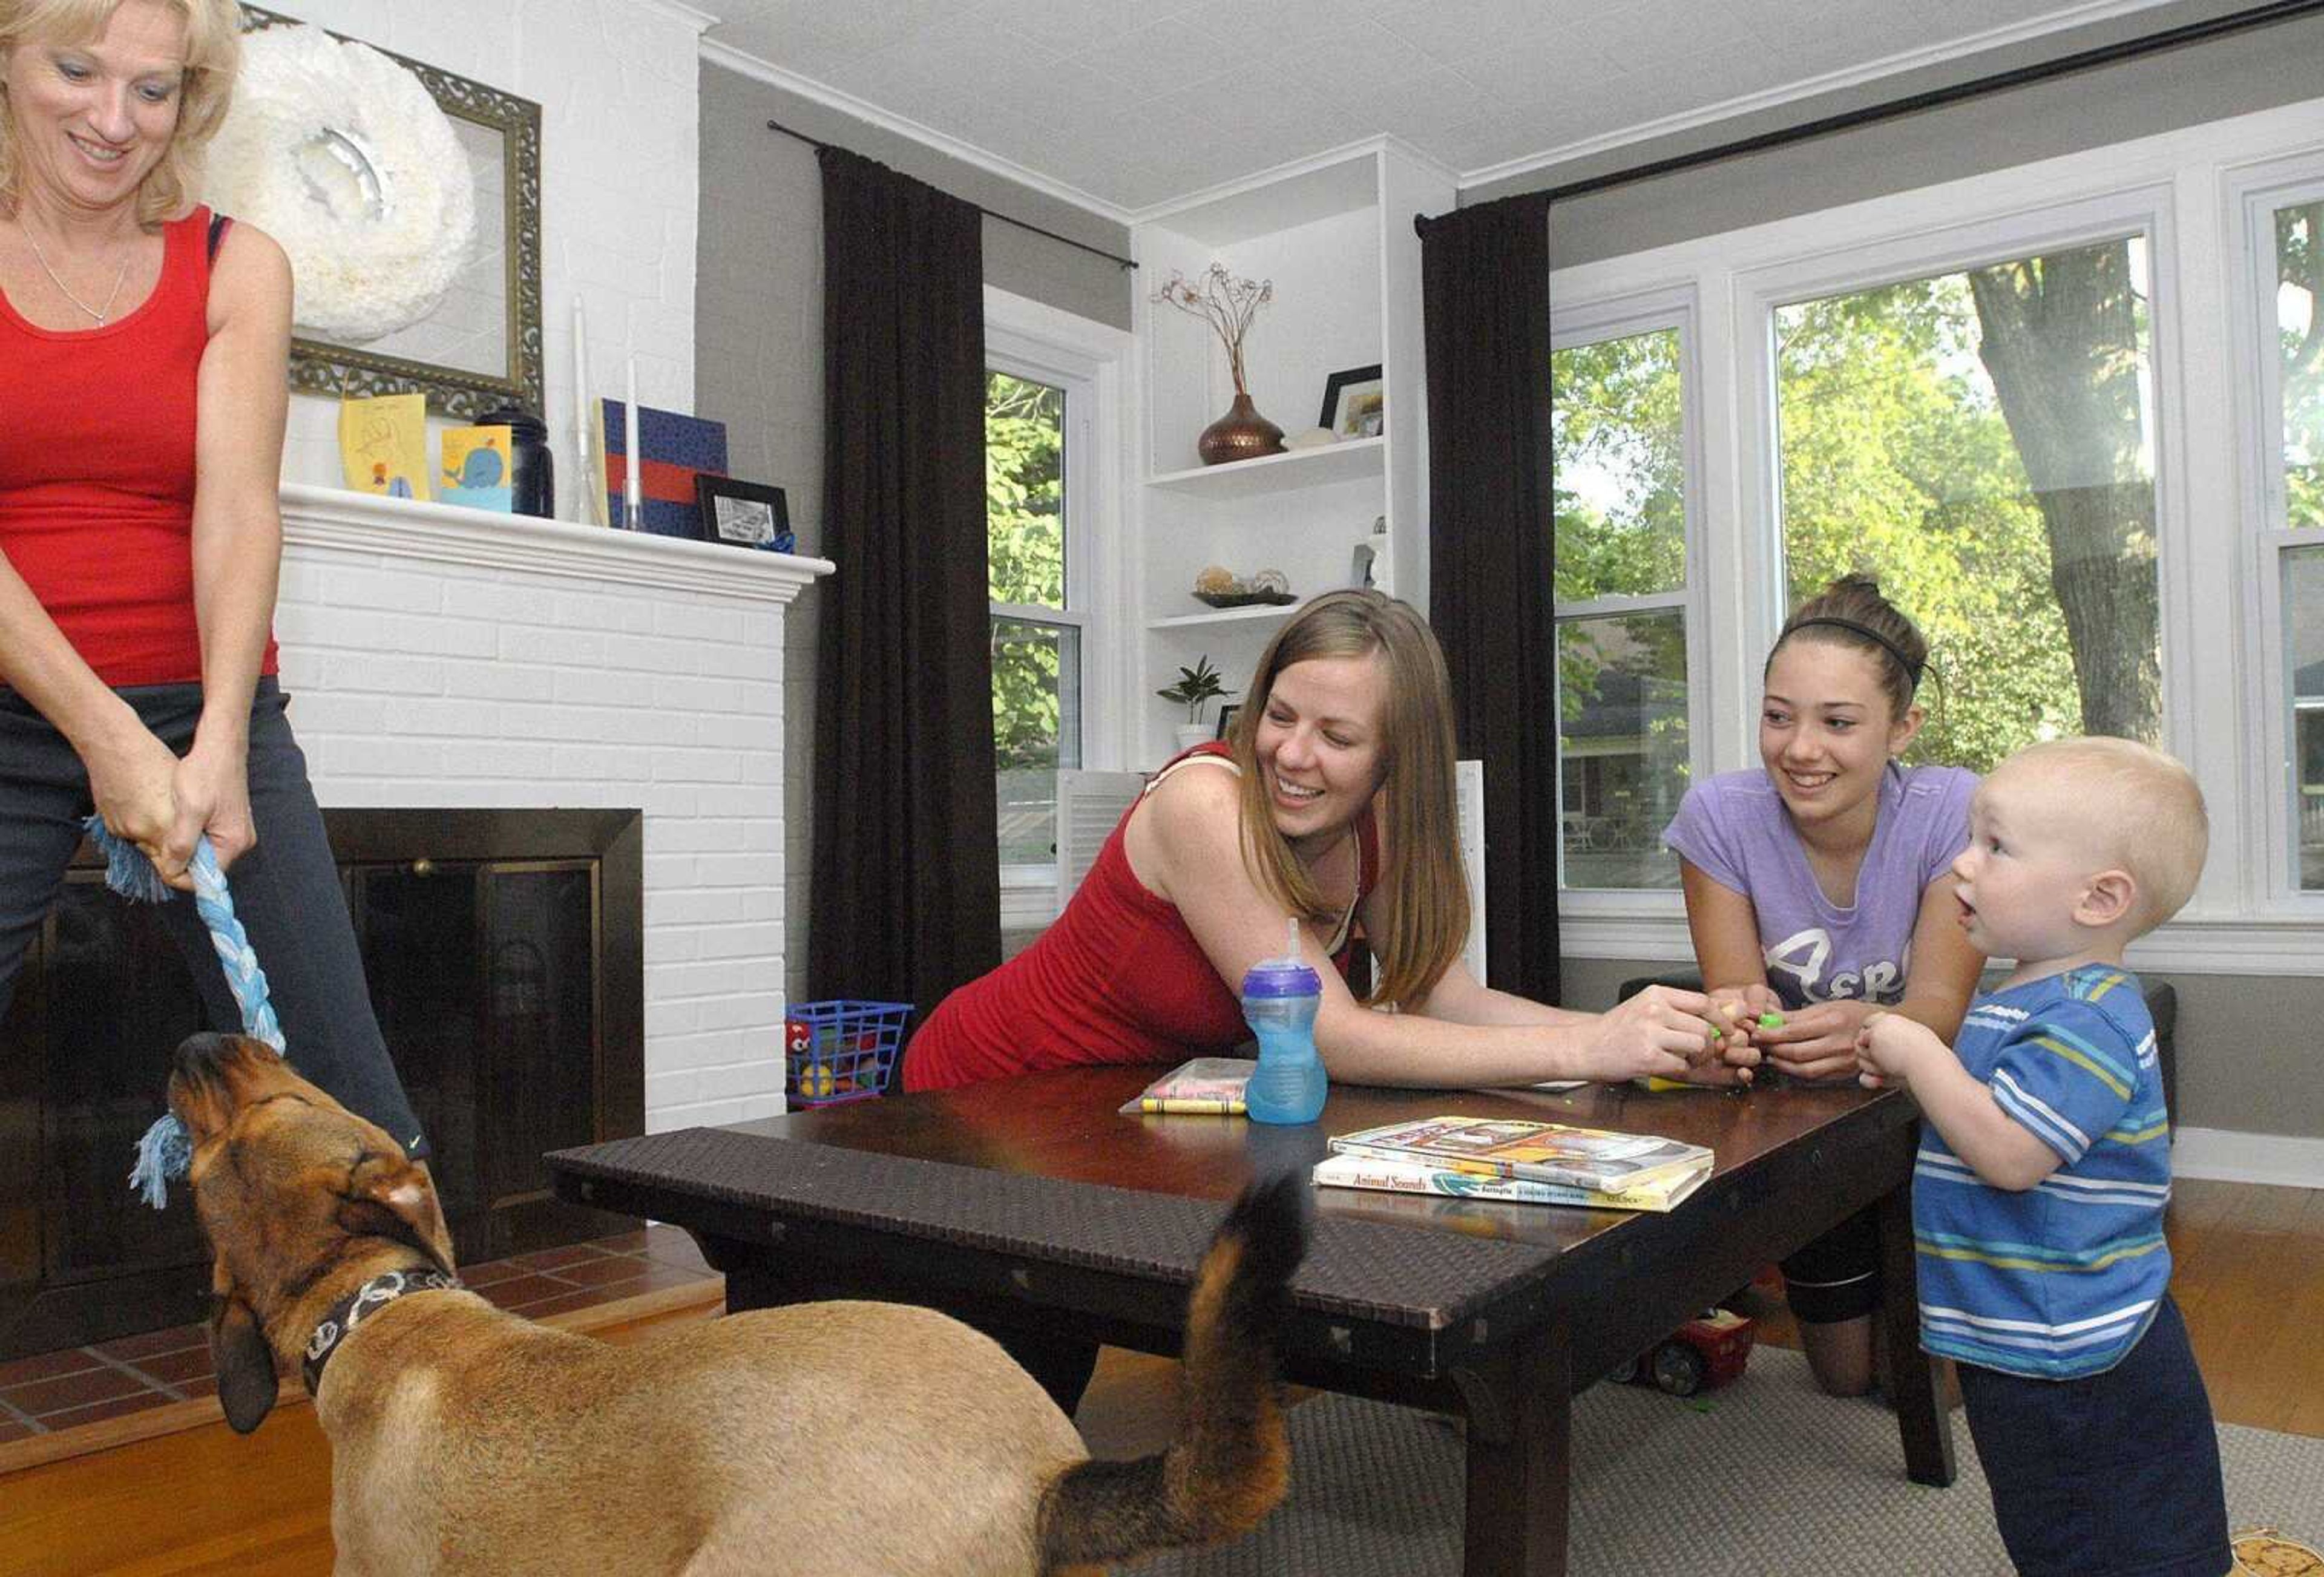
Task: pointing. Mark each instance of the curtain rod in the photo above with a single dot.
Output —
(2171, 38)
(1004, 218)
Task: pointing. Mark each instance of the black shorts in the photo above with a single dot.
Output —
(1837, 1276)
(2115, 1472)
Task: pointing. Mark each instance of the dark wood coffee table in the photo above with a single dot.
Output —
(1032, 1204)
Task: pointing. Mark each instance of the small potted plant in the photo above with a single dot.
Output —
(1195, 685)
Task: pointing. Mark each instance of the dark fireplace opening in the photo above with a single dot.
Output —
(505, 954)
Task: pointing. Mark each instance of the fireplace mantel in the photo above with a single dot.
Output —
(443, 657)
(445, 533)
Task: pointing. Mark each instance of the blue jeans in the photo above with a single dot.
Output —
(2111, 1475)
(286, 893)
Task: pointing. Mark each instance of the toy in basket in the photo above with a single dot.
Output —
(840, 1049)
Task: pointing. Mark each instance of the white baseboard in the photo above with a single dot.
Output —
(2224, 1155)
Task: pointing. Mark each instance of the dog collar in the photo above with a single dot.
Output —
(359, 1305)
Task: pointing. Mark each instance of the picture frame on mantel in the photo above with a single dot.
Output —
(1354, 403)
(748, 514)
(482, 349)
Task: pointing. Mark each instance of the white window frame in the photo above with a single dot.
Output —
(1089, 361)
(1657, 311)
(2254, 194)
(2174, 188)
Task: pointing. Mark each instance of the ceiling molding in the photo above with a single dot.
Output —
(1259, 179)
(1813, 88)
(734, 60)
(699, 20)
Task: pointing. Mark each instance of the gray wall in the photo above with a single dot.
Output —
(2246, 1047)
(2252, 71)
(758, 329)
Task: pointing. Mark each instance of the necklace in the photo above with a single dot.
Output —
(97, 313)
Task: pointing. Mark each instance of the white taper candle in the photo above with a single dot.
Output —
(586, 509)
(633, 498)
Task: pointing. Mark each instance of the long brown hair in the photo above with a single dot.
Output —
(213, 56)
(1425, 920)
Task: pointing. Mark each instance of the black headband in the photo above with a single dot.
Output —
(1912, 669)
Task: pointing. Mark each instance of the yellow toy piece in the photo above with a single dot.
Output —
(814, 1082)
(2265, 1552)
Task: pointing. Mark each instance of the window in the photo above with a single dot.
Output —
(1619, 439)
(1037, 630)
(1982, 441)
(2295, 508)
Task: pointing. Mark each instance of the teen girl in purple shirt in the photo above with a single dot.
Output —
(1821, 887)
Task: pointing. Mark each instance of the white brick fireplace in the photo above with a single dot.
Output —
(438, 657)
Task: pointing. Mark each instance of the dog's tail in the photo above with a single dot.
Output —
(1230, 1462)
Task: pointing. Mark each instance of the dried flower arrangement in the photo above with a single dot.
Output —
(1224, 300)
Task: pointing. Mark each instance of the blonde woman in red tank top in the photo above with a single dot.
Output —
(143, 370)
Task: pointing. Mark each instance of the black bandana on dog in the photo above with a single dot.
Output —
(359, 1305)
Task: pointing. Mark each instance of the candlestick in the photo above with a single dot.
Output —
(586, 479)
(633, 501)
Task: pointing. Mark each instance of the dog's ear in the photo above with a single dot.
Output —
(246, 1380)
(390, 1197)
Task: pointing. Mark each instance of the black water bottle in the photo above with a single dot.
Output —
(532, 474)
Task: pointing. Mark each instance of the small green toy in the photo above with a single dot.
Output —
(1771, 1020)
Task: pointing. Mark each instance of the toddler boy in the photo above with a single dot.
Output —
(2045, 1166)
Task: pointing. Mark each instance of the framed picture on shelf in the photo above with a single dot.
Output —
(1226, 717)
(748, 514)
(1355, 403)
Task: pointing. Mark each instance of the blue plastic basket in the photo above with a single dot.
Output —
(840, 1050)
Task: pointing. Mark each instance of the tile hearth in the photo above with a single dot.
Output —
(52, 1392)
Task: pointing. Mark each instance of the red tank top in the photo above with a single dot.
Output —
(1118, 978)
(96, 471)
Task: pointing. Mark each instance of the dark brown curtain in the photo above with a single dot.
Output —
(906, 899)
(1485, 291)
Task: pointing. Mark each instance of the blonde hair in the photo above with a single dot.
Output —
(2142, 806)
(1425, 917)
(213, 55)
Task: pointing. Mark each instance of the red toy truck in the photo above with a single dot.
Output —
(1707, 1351)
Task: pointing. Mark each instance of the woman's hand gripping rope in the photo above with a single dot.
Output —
(164, 1152)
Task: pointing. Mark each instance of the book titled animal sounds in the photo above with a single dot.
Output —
(1592, 1159)
(1453, 1182)
(1206, 1083)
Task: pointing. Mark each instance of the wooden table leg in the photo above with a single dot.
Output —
(1520, 1434)
(1913, 1379)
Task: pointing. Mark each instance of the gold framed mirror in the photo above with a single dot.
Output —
(481, 346)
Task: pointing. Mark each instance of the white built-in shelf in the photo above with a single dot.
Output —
(1341, 462)
(1256, 614)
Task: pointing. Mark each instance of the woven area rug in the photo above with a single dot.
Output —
(1765, 1477)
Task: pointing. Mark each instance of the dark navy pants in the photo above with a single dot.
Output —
(286, 893)
(2111, 1475)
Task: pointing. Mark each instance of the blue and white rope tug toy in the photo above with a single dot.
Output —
(165, 1152)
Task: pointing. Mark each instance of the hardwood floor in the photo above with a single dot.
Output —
(2250, 1277)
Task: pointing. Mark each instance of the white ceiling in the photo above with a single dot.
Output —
(1124, 104)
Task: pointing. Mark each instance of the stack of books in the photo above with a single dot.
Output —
(1534, 1163)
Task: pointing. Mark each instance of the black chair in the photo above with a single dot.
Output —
(2162, 1006)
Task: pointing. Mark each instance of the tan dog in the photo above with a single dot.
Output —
(824, 1438)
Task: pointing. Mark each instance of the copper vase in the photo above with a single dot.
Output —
(1242, 434)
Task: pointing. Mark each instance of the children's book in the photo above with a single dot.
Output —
(1540, 1152)
(1206, 1083)
(1353, 1171)
(476, 468)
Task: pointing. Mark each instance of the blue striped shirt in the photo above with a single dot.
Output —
(2062, 1279)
